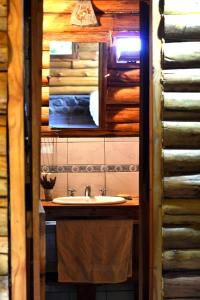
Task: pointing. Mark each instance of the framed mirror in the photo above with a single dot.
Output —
(76, 85)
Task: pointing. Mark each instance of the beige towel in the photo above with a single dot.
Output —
(94, 251)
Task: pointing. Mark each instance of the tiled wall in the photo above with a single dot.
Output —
(110, 163)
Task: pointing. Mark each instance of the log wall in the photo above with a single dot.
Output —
(121, 88)
(181, 149)
(4, 294)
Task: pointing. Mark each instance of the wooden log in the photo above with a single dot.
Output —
(3, 122)
(4, 289)
(88, 55)
(123, 115)
(45, 115)
(101, 37)
(181, 134)
(172, 220)
(181, 7)
(181, 285)
(3, 166)
(88, 46)
(181, 55)
(123, 130)
(181, 237)
(71, 90)
(3, 202)
(3, 8)
(60, 22)
(3, 51)
(3, 244)
(60, 64)
(177, 260)
(130, 95)
(74, 64)
(3, 23)
(3, 95)
(3, 138)
(45, 77)
(181, 162)
(181, 27)
(3, 264)
(178, 80)
(45, 59)
(73, 81)
(59, 72)
(123, 6)
(45, 95)
(185, 187)
(3, 221)
(181, 206)
(123, 76)
(3, 187)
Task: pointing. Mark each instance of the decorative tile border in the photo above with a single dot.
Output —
(89, 168)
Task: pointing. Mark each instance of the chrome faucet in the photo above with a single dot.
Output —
(88, 191)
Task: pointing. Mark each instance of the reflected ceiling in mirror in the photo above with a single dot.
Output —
(74, 85)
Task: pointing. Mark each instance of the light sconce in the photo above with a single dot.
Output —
(127, 49)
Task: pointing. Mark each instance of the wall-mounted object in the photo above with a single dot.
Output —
(83, 14)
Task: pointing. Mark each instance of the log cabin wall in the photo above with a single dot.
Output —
(122, 90)
(181, 149)
(4, 291)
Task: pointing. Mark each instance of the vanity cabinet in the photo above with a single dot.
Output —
(127, 210)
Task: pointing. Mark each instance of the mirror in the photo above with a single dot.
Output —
(74, 85)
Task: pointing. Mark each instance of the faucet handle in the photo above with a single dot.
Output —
(102, 191)
(71, 191)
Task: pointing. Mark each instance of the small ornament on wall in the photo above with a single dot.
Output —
(83, 14)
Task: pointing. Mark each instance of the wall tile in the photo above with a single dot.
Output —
(47, 153)
(84, 140)
(122, 139)
(122, 183)
(121, 152)
(80, 181)
(60, 154)
(86, 153)
(60, 188)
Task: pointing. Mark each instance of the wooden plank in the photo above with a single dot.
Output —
(3, 264)
(177, 260)
(73, 81)
(120, 130)
(71, 90)
(59, 72)
(3, 121)
(181, 237)
(123, 95)
(185, 187)
(181, 285)
(45, 59)
(117, 77)
(60, 22)
(4, 288)
(122, 115)
(3, 244)
(103, 36)
(3, 141)
(3, 8)
(113, 6)
(181, 162)
(3, 221)
(3, 166)
(172, 220)
(74, 64)
(181, 7)
(16, 151)
(181, 134)
(3, 95)
(3, 202)
(3, 23)
(181, 55)
(177, 80)
(181, 27)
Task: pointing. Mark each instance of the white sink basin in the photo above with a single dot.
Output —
(84, 200)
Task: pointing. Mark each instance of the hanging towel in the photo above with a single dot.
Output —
(94, 251)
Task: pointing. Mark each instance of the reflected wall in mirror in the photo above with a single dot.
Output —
(74, 85)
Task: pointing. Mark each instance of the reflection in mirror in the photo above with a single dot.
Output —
(74, 85)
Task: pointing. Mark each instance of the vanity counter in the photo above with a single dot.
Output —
(128, 209)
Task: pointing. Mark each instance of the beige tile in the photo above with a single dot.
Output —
(86, 153)
(60, 153)
(122, 183)
(80, 180)
(47, 140)
(47, 153)
(122, 139)
(121, 152)
(84, 140)
(60, 188)
(62, 140)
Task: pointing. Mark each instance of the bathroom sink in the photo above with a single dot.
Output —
(85, 200)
